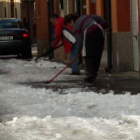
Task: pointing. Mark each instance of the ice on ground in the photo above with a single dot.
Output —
(28, 113)
(71, 128)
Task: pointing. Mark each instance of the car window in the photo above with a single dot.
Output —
(10, 24)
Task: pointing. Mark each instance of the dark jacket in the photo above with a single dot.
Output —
(82, 23)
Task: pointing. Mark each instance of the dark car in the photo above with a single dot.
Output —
(14, 38)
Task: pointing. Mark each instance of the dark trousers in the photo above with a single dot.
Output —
(94, 49)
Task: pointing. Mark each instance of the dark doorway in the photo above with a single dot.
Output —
(12, 8)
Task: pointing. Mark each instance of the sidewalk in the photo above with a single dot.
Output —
(120, 83)
(34, 50)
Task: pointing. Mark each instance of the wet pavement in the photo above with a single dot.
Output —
(120, 83)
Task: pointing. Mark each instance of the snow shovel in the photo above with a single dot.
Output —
(51, 80)
(47, 53)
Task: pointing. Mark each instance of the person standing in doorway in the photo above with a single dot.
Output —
(26, 24)
(34, 31)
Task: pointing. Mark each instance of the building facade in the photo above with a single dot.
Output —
(125, 44)
(18, 9)
(123, 39)
(10, 8)
(28, 11)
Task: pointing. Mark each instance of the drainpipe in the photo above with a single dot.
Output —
(78, 8)
(48, 15)
(107, 11)
(50, 10)
(51, 6)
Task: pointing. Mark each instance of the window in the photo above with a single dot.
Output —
(5, 12)
(16, 12)
(11, 24)
(12, 8)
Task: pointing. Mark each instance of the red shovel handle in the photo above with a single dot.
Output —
(64, 68)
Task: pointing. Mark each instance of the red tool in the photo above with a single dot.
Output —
(47, 54)
(51, 80)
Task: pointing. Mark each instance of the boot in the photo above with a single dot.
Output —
(90, 79)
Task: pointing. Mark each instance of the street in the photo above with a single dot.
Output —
(67, 108)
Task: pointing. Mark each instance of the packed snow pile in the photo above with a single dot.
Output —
(28, 113)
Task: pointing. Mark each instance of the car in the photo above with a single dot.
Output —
(14, 38)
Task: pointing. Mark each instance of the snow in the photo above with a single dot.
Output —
(29, 113)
